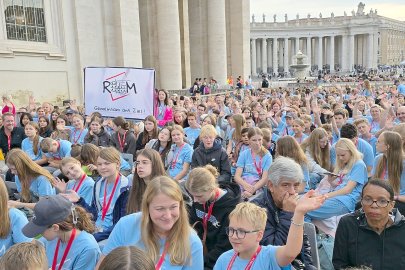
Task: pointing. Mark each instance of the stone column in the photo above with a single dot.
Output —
(269, 53)
(217, 57)
(332, 53)
(275, 56)
(286, 56)
(343, 53)
(375, 50)
(320, 53)
(297, 45)
(168, 32)
(258, 56)
(264, 55)
(350, 60)
(253, 57)
(370, 50)
(309, 52)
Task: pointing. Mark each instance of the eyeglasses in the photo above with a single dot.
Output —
(380, 203)
(143, 162)
(240, 234)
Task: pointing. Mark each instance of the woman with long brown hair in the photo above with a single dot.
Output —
(150, 132)
(122, 138)
(12, 221)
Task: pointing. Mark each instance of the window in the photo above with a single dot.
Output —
(25, 20)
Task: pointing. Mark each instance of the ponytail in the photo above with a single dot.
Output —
(80, 219)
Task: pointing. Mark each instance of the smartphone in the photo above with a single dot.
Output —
(332, 174)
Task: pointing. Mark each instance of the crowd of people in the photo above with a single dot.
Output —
(220, 181)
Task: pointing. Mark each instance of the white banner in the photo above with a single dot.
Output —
(126, 92)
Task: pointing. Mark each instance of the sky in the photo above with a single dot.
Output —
(394, 9)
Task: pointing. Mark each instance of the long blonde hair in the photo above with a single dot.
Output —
(27, 170)
(179, 248)
(202, 179)
(346, 145)
(393, 159)
(311, 144)
(4, 216)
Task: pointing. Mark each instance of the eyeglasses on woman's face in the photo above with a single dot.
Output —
(367, 201)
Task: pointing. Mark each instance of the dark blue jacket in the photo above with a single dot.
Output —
(277, 227)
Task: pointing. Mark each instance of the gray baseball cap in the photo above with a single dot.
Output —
(49, 210)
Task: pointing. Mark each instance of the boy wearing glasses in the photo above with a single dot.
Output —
(246, 228)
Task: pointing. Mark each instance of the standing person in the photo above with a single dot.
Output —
(162, 144)
(212, 203)
(210, 151)
(161, 229)
(150, 132)
(123, 139)
(390, 165)
(12, 221)
(253, 165)
(79, 131)
(78, 180)
(106, 192)
(31, 144)
(66, 234)
(163, 113)
(180, 155)
(97, 135)
(247, 223)
(10, 135)
(45, 129)
(33, 182)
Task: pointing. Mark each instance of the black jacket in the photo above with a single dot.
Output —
(17, 136)
(278, 225)
(357, 244)
(217, 241)
(216, 156)
(129, 144)
(100, 139)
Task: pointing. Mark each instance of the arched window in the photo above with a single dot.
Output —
(25, 20)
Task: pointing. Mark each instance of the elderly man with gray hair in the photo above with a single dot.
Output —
(280, 199)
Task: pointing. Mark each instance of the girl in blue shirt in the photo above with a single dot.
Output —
(31, 144)
(298, 128)
(162, 229)
(253, 164)
(79, 131)
(350, 175)
(79, 181)
(180, 156)
(33, 182)
(66, 231)
(12, 221)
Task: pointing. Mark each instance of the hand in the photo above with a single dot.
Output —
(330, 178)
(249, 188)
(307, 97)
(92, 167)
(59, 184)
(73, 105)
(14, 204)
(290, 202)
(246, 194)
(71, 195)
(60, 127)
(310, 201)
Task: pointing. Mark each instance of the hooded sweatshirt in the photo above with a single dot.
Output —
(216, 156)
(217, 241)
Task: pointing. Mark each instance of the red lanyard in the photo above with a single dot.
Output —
(258, 168)
(9, 141)
(383, 172)
(74, 136)
(162, 257)
(177, 156)
(107, 206)
(80, 183)
(341, 176)
(207, 216)
(122, 142)
(55, 255)
(250, 263)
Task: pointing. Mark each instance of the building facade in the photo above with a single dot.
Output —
(45, 44)
(336, 43)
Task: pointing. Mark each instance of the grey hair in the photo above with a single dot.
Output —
(284, 168)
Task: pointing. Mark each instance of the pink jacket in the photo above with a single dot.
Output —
(167, 117)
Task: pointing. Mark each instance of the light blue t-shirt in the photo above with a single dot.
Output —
(83, 254)
(63, 151)
(373, 143)
(363, 147)
(192, 134)
(265, 260)
(17, 221)
(40, 186)
(77, 136)
(283, 129)
(176, 159)
(358, 174)
(374, 126)
(108, 220)
(86, 189)
(385, 176)
(127, 232)
(125, 166)
(28, 147)
(300, 140)
(401, 89)
(250, 172)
